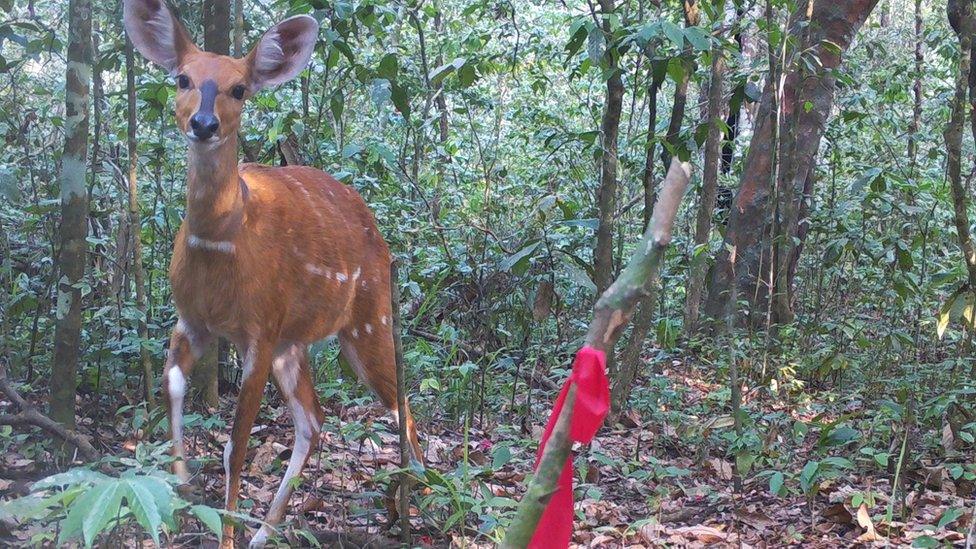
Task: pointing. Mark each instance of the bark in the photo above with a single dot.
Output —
(692, 16)
(743, 259)
(610, 316)
(735, 106)
(961, 16)
(238, 28)
(703, 223)
(74, 214)
(135, 226)
(658, 73)
(609, 130)
(216, 26)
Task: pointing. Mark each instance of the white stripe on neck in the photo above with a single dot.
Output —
(224, 246)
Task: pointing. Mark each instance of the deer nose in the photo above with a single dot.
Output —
(204, 125)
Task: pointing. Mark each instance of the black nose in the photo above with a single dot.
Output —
(204, 125)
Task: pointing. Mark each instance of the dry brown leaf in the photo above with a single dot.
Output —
(948, 438)
(864, 520)
(722, 468)
(704, 534)
(838, 513)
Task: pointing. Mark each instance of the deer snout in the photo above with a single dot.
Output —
(204, 125)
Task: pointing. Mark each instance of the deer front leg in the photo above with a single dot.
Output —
(257, 367)
(186, 345)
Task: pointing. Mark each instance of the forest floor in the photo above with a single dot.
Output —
(644, 486)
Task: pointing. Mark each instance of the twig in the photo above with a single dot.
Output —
(31, 416)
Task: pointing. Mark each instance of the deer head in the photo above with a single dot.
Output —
(211, 88)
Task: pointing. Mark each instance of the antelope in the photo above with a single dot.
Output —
(270, 258)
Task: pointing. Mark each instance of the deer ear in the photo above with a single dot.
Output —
(156, 33)
(283, 51)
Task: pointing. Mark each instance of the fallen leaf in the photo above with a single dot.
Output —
(864, 520)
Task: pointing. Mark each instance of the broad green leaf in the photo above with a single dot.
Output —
(211, 518)
(674, 34)
(97, 507)
(143, 505)
(776, 483)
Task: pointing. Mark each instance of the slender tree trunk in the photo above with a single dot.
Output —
(238, 28)
(216, 26)
(833, 27)
(703, 223)
(135, 223)
(692, 16)
(658, 73)
(609, 129)
(961, 17)
(74, 214)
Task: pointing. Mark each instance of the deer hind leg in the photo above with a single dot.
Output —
(186, 345)
(368, 347)
(257, 367)
(294, 379)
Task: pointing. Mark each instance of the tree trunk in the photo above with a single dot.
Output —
(238, 28)
(703, 223)
(216, 26)
(961, 18)
(609, 129)
(658, 73)
(692, 16)
(743, 259)
(74, 214)
(135, 224)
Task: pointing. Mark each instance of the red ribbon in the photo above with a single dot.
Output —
(590, 408)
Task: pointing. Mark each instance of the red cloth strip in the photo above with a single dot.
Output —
(589, 410)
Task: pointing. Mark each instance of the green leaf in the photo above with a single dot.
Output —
(948, 517)
(211, 518)
(400, 100)
(501, 456)
(389, 66)
(698, 38)
(444, 70)
(519, 259)
(776, 483)
(101, 505)
(143, 505)
(674, 34)
(925, 542)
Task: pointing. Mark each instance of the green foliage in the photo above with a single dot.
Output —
(87, 505)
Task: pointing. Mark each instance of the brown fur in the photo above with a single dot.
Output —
(272, 259)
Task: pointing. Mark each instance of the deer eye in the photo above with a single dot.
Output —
(182, 81)
(238, 91)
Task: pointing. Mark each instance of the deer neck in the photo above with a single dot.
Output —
(215, 193)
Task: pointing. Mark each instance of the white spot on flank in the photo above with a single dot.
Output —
(355, 332)
(356, 273)
(383, 320)
(369, 328)
(341, 277)
(320, 271)
(223, 246)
